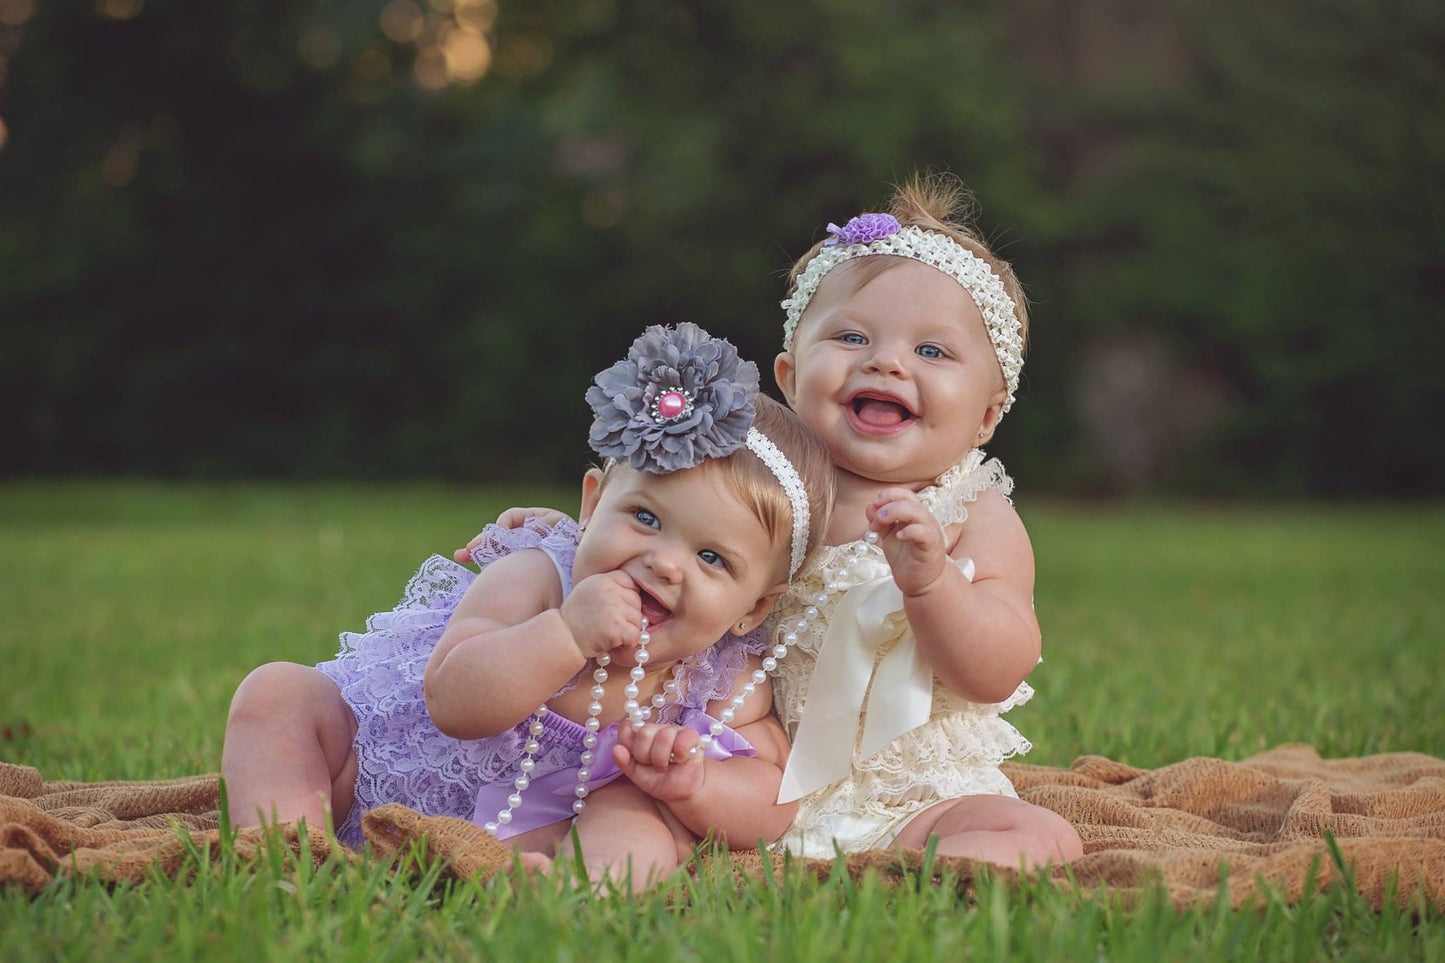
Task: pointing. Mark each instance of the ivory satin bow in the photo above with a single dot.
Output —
(868, 617)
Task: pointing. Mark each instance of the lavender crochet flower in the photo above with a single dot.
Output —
(679, 396)
(863, 229)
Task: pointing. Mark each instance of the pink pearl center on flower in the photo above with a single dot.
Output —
(671, 404)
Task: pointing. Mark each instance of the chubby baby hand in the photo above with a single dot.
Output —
(603, 612)
(911, 538)
(659, 760)
(511, 518)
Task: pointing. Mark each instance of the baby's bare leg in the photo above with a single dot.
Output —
(623, 830)
(288, 750)
(998, 829)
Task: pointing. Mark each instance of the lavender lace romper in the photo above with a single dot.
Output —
(402, 757)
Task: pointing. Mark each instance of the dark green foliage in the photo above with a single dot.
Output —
(239, 238)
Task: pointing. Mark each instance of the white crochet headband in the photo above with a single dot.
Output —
(871, 234)
(772, 456)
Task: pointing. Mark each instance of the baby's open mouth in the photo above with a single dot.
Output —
(879, 411)
(653, 610)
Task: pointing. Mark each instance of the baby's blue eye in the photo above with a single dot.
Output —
(646, 518)
(712, 558)
(930, 351)
(853, 337)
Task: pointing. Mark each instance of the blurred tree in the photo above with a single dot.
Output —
(395, 238)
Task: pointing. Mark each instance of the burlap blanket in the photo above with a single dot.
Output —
(1180, 826)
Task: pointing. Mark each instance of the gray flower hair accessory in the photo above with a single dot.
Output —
(679, 397)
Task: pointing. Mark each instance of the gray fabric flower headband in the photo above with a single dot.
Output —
(679, 396)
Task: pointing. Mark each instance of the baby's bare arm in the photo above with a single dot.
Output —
(505, 649)
(982, 638)
(737, 800)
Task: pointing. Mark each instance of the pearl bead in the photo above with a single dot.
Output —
(658, 701)
(671, 404)
(790, 639)
(514, 800)
(716, 728)
(630, 706)
(587, 756)
(598, 692)
(802, 624)
(811, 612)
(542, 711)
(593, 724)
(670, 687)
(769, 664)
(590, 740)
(726, 716)
(579, 805)
(749, 688)
(833, 586)
(779, 651)
(604, 659)
(705, 740)
(594, 707)
(532, 746)
(641, 657)
(584, 774)
(759, 676)
(535, 728)
(850, 561)
(504, 817)
(820, 598)
(581, 791)
(492, 828)
(643, 639)
(600, 675)
(521, 782)
(630, 692)
(637, 673)
(871, 537)
(528, 765)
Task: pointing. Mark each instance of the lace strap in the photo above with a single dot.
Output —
(497, 542)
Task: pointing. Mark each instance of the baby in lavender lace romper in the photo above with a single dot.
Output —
(580, 677)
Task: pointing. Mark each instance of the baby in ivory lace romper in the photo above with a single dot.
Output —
(902, 349)
(914, 632)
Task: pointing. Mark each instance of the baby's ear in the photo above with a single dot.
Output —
(785, 373)
(760, 610)
(591, 494)
(991, 415)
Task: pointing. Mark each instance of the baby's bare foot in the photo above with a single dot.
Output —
(535, 863)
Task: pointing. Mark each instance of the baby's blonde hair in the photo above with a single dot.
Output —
(933, 201)
(759, 490)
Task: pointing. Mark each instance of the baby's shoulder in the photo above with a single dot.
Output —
(528, 576)
(992, 527)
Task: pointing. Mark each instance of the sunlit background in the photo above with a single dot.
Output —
(395, 239)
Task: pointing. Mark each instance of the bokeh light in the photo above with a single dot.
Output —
(119, 9)
(14, 13)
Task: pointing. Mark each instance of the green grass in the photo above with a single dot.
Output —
(128, 613)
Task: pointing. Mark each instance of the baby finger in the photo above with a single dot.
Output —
(685, 747)
(662, 747)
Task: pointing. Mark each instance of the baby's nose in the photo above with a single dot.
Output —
(665, 564)
(884, 360)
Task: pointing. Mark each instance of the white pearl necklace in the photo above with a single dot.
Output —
(638, 715)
